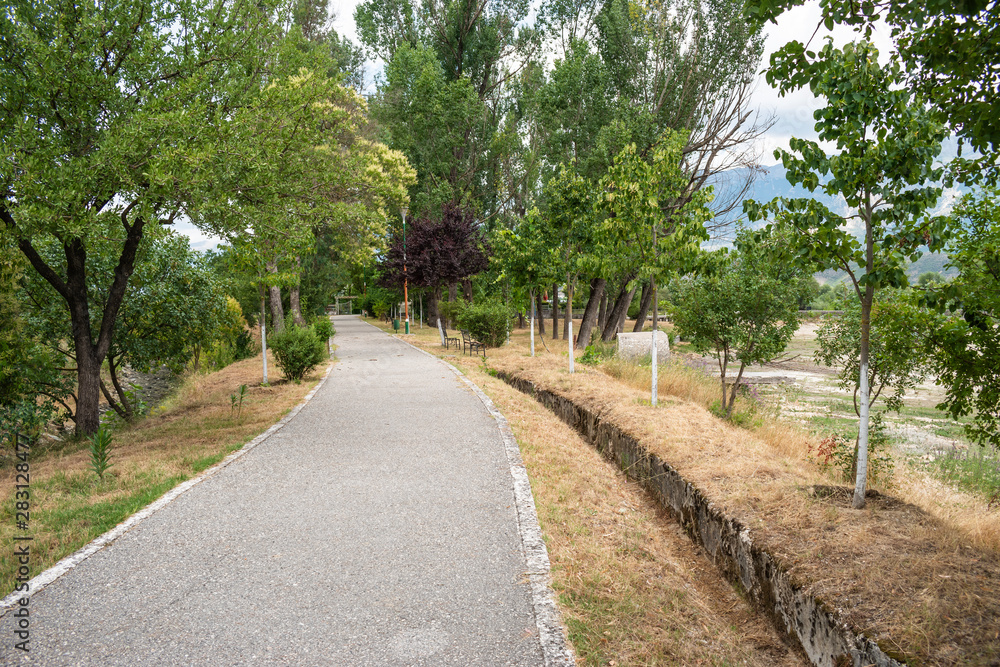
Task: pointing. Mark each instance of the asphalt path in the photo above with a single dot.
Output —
(377, 527)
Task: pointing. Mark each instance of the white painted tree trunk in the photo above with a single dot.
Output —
(263, 339)
(531, 297)
(861, 481)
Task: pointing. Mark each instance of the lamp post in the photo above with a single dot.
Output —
(406, 296)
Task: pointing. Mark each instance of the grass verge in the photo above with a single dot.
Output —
(193, 430)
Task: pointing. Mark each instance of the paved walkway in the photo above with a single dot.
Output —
(378, 527)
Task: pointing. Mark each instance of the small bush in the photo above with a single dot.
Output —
(839, 455)
(244, 346)
(297, 350)
(598, 352)
(487, 321)
(323, 327)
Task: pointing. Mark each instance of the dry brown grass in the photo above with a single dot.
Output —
(70, 506)
(920, 580)
(632, 587)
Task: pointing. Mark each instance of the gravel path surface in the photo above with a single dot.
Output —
(377, 527)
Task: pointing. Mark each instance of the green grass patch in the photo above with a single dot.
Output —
(975, 469)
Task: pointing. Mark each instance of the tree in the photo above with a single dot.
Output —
(743, 311)
(446, 94)
(887, 144)
(897, 358)
(172, 308)
(438, 252)
(965, 346)
(122, 114)
(650, 213)
(950, 51)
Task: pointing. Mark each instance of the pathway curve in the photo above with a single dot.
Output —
(377, 527)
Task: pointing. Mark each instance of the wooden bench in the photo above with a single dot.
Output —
(473, 346)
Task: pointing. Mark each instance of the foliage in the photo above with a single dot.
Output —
(597, 352)
(897, 360)
(438, 252)
(744, 311)
(446, 93)
(887, 144)
(949, 49)
(297, 350)
(488, 321)
(648, 206)
(966, 344)
(323, 327)
(928, 278)
(31, 383)
(100, 451)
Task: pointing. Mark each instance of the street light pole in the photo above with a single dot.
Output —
(406, 295)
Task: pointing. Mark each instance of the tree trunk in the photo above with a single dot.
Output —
(861, 480)
(295, 307)
(467, 288)
(555, 312)
(277, 310)
(644, 302)
(602, 314)
(619, 310)
(89, 353)
(520, 320)
(293, 299)
(590, 312)
(539, 319)
(624, 313)
(432, 306)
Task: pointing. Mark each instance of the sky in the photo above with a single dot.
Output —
(793, 112)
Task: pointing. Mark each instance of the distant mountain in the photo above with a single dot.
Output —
(770, 182)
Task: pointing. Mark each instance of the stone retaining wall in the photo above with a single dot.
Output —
(827, 640)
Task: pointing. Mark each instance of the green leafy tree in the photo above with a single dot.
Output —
(897, 358)
(650, 213)
(744, 311)
(449, 64)
(950, 51)
(886, 145)
(966, 343)
(172, 309)
(125, 114)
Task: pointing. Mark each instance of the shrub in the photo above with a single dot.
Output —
(488, 321)
(297, 350)
(839, 455)
(323, 327)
